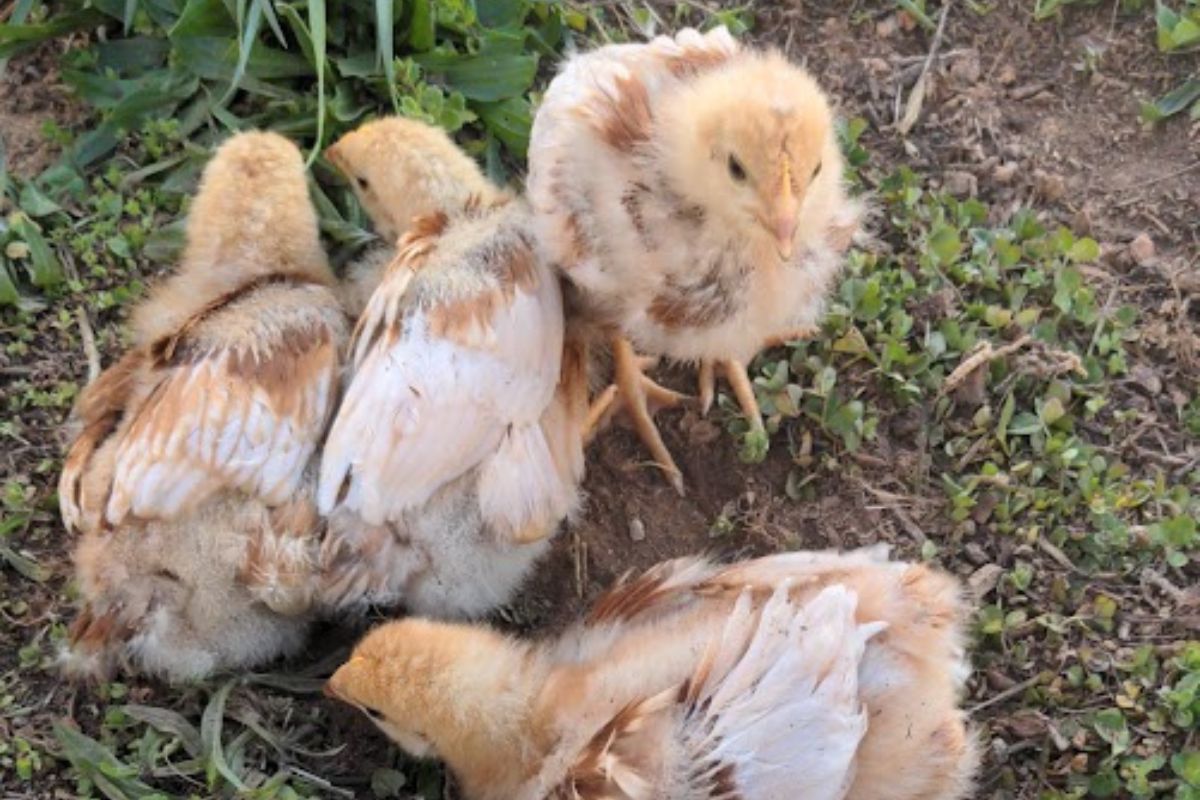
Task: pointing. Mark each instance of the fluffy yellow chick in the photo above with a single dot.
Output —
(803, 675)
(458, 448)
(191, 472)
(401, 169)
(691, 190)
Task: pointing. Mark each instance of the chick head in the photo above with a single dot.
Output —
(253, 206)
(753, 144)
(401, 168)
(423, 684)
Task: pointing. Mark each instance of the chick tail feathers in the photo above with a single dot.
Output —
(95, 642)
(774, 709)
(523, 489)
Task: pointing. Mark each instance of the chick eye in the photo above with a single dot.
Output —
(816, 170)
(363, 183)
(374, 714)
(736, 170)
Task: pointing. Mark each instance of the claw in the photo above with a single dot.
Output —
(639, 397)
(743, 390)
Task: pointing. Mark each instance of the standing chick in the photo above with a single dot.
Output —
(190, 478)
(793, 677)
(458, 448)
(401, 169)
(691, 190)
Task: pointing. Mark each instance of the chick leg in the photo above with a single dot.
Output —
(606, 406)
(636, 393)
(708, 378)
(743, 390)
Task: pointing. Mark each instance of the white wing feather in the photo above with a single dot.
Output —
(423, 409)
(786, 716)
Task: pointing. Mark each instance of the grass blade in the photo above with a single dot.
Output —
(18, 16)
(9, 294)
(44, 269)
(268, 8)
(1173, 101)
(15, 38)
(249, 32)
(385, 51)
(211, 723)
(316, 25)
(92, 760)
(128, 15)
(167, 721)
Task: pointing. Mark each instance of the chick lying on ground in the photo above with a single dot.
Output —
(794, 677)
(458, 449)
(191, 475)
(691, 192)
(401, 169)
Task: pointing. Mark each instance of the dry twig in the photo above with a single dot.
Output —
(89, 343)
(916, 98)
(983, 354)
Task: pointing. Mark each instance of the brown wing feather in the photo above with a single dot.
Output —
(622, 118)
(615, 763)
(100, 409)
(650, 591)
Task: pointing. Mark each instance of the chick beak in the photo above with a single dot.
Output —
(785, 234)
(331, 154)
(329, 691)
(783, 221)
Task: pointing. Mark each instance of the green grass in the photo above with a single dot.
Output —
(1068, 526)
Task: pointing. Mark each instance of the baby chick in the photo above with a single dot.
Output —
(691, 191)
(191, 475)
(401, 169)
(458, 449)
(802, 675)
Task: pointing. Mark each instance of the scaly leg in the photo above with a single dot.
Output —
(708, 377)
(638, 396)
(743, 390)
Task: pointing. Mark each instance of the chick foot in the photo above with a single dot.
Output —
(735, 373)
(640, 398)
(743, 390)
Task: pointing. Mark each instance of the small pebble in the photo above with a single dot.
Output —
(637, 529)
(960, 183)
(1050, 186)
(1005, 172)
(1142, 250)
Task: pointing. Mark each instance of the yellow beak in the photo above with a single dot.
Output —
(786, 208)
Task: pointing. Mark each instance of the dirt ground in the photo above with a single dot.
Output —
(1016, 112)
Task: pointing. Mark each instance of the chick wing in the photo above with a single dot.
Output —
(454, 362)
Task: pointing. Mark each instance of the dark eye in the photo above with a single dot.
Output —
(373, 714)
(363, 183)
(736, 170)
(816, 170)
